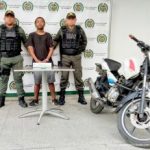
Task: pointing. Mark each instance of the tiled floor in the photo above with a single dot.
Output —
(84, 130)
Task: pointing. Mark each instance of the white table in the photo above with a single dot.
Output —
(45, 110)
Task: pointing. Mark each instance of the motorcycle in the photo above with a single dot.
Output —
(111, 86)
(134, 114)
(131, 97)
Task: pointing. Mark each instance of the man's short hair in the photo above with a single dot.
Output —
(39, 18)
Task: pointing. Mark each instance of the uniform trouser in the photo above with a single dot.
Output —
(75, 62)
(8, 63)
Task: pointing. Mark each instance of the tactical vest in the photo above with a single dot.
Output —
(70, 41)
(10, 42)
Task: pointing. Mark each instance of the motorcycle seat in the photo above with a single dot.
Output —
(112, 64)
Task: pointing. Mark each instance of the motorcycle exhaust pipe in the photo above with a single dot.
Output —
(93, 91)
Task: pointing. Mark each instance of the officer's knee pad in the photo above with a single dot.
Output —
(4, 71)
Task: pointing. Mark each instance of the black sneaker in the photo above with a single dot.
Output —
(34, 103)
(55, 102)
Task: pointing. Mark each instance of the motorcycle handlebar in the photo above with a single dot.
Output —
(142, 45)
(134, 38)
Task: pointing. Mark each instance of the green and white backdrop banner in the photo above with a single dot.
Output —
(92, 15)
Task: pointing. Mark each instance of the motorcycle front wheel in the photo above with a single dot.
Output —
(96, 106)
(133, 129)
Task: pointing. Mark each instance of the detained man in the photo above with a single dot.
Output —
(40, 47)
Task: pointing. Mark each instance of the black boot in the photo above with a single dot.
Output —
(81, 98)
(22, 102)
(2, 101)
(62, 97)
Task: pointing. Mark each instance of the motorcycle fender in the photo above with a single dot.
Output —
(128, 98)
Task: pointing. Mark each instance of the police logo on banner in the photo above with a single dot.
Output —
(89, 23)
(88, 53)
(12, 85)
(62, 22)
(103, 7)
(78, 7)
(3, 5)
(27, 6)
(53, 7)
(102, 38)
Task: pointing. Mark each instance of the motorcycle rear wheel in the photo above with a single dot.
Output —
(96, 106)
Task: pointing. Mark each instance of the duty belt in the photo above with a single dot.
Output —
(9, 55)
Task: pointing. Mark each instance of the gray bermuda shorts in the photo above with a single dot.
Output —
(50, 77)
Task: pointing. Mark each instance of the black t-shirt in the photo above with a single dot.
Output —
(41, 44)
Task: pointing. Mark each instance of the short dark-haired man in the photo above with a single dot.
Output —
(11, 37)
(40, 47)
(73, 41)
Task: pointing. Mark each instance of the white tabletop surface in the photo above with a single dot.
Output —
(31, 69)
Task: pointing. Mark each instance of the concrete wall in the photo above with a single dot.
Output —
(129, 17)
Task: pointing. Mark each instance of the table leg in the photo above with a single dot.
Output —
(42, 113)
(56, 113)
(53, 111)
(44, 91)
(44, 96)
(30, 113)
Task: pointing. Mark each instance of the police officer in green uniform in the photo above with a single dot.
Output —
(11, 36)
(72, 41)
